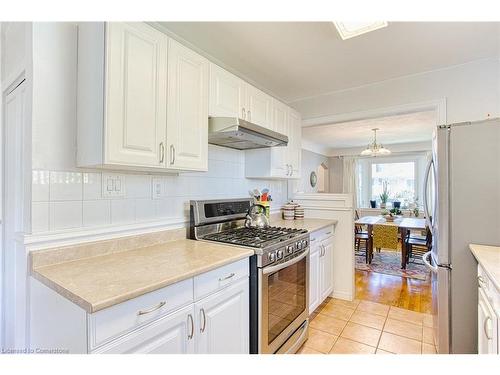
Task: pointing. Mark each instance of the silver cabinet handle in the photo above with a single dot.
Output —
(324, 250)
(249, 115)
(157, 307)
(162, 152)
(328, 233)
(291, 170)
(232, 274)
(202, 329)
(485, 327)
(243, 113)
(172, 154)
(190, 320)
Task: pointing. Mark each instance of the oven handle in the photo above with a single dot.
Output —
(278, 267)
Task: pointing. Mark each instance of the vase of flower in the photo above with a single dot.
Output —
(384, 197)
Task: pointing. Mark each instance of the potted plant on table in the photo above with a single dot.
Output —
(384, 197)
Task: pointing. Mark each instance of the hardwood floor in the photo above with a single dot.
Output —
(406, 293)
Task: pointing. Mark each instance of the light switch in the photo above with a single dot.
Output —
(113, 185)
(110, 184)
(158, 189)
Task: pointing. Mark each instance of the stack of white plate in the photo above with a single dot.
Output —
(299, 212)
(288, 211)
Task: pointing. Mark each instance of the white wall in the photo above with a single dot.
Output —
(472, 91)
(310, 162)
(336, 167)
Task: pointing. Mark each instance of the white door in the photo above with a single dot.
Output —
(136, 94)
(487, 327)
(187, 130)
(223, 321)
(295, 142)
(227, 94)
(259, 107)
(173, 334)
(326, 268)
(314, 284)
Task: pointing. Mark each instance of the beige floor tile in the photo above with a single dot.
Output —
(368, 319)
(380, 351)
(342, 302)
(406, 315)
(428, 335)
(320, 341)
(400, 345)
(307, 350)
(427, 320)
(373, 307)
(401, 328)
(346, 346)
(328, 324)
(428, 349)
(337, 311)
(362, 334)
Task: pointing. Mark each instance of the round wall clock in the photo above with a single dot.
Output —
(313, 179)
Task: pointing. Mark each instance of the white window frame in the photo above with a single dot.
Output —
(419, 160)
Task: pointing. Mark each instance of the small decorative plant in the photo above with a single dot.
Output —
(384, 197)
(395, 211)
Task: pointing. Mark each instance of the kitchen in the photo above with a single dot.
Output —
(140, 237)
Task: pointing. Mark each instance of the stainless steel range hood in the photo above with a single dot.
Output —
(236, 133)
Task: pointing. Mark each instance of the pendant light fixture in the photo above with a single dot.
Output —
(374, 149)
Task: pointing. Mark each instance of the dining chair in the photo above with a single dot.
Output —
(417, 246)
(359, 237)
(384, 237)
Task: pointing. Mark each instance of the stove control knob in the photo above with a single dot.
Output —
(279, 254)
(289, 249)
(271, 257)
(304, 244)
(298, 245)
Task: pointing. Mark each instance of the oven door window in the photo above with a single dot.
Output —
(286, 297)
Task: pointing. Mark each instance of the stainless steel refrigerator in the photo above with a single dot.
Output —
(462, 204)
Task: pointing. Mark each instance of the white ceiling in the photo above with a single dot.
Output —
(407, 128)
(294, 60)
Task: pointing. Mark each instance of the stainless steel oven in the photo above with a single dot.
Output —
(284, 301)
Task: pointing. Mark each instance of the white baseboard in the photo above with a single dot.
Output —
(342, 295)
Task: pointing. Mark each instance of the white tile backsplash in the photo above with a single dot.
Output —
(96, 213)
(65, 186)
(92, 188)
(74, 199)
(65, 215)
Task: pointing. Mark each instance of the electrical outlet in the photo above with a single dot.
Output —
(158, 188)
(113, 185)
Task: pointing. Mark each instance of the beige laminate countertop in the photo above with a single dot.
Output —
(310, 224)
(489, 258)
(98, 282)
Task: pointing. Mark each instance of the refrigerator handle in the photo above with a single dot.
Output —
(426, 185)
(427, 262)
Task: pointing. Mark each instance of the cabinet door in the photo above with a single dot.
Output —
(136, 94)
(295, 142)
(187, 124)
(223, 321)
(172, 334)
(326, 268)
(487, 327)
(314, 284)
(259, 107)
(227, 94)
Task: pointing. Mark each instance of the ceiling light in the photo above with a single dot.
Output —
(374, 149)
(351, 29)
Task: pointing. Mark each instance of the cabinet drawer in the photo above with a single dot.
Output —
(322, 234)
(126, 316)
(219, 278)
(486, 285)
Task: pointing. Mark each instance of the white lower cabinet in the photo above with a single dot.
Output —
(223, 321)
(320, 267)
(208, 313)
(488, 313)
(171, 334)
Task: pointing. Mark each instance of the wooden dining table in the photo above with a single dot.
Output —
(403, 223)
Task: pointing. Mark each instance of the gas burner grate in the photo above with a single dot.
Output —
(254, 237)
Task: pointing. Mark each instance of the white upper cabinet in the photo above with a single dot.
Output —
(227, 94)
(187, 110)
(137, 101)
(294, 142)
(259, 107)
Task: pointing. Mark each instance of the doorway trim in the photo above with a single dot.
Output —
(438, 105)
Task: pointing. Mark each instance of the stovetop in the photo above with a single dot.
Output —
(255, 237)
